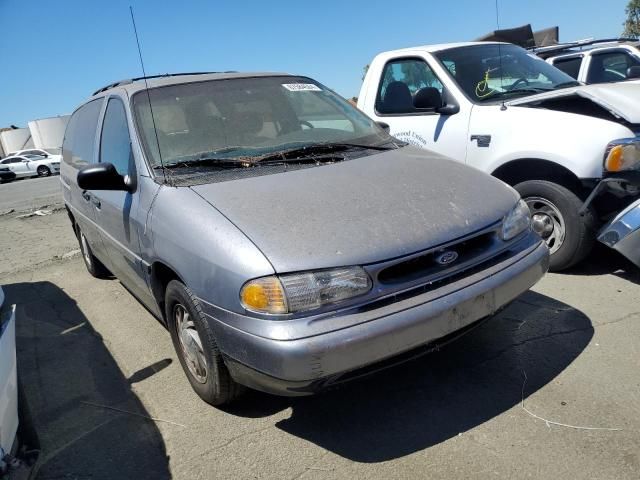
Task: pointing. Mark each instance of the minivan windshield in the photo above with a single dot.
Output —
(501, 71)
(244, 118)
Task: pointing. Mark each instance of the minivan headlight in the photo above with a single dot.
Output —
(622, 155)
(296, 292)
(516, 221)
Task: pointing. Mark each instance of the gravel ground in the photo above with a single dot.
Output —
(85, 344)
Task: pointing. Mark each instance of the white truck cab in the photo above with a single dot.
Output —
(595, 61)
(507, 112)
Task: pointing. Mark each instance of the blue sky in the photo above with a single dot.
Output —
(55, 53)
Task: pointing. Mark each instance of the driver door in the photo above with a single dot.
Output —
(402, 79)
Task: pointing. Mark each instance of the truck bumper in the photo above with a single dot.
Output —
(387, 334)
(623, 233)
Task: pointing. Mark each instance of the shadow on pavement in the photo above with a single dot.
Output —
(62, 362)
(427, 401)
(604, 261)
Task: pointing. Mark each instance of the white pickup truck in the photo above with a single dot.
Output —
(568, 149)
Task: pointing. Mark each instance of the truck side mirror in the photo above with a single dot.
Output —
(633, 72)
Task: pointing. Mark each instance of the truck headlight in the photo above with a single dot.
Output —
(295, 292)
(516, 221)
(622, 155)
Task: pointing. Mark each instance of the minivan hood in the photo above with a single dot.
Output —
(360, 211)
(621, 99)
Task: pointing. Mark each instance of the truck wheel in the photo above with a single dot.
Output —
(94, 266)
(555, 217)
(196, 347)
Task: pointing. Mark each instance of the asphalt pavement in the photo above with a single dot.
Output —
(30, 193)
(547, 389)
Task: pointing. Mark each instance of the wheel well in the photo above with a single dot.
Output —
(161, 275)
(517, 171)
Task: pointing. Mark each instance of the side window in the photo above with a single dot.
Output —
(570, 66)
(402, 80)
(115, 143)
(610, 66)
(79, 139)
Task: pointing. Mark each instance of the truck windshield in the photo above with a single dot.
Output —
(500, 71)
(246, 117)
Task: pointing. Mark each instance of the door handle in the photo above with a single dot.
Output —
(86, 195)
(96, 202)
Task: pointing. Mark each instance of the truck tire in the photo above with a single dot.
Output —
(196, 347)
(554, 216)
(94, 266)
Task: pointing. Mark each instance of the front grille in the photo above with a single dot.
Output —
(426, 266)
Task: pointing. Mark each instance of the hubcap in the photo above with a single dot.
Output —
(190, 344)
(547, 221)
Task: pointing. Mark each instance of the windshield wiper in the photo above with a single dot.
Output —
(310, 151)
(296, 154)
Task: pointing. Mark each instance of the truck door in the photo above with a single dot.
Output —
(402, 80)
(117, 211)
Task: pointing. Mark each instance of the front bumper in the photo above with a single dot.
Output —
(305, 364)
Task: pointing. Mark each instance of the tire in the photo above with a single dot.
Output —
(195, 345)
(43, 171)
(554, 206)
(94, 266)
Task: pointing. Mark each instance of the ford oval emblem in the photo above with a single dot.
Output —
(446, 257)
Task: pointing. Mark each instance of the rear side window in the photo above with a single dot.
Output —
(78, 147)
(570, 66)
(115, 143)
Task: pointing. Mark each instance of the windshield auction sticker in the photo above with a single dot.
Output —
(301, 87)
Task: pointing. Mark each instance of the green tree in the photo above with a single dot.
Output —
(364, 71)
(632, 23)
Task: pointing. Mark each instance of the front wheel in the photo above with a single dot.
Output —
(554, 216)
(196, 347)
(94, 266)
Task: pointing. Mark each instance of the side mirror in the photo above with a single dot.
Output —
(633, 72)
(384, 126)
(101, 176)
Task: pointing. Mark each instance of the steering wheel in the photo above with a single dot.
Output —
(306, 124)
(518, 82)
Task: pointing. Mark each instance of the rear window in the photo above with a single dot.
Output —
(78, 148)
(570, 66)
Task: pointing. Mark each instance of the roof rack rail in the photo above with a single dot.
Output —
(131, 80)
(577, 44)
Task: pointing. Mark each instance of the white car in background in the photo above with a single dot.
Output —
(31, 165)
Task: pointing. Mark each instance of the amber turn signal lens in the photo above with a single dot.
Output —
(614, 162)
(264, 295)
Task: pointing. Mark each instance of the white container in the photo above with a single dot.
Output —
(8, 377)
(48, 132)
(17, 139)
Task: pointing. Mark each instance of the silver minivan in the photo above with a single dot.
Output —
(284, 238)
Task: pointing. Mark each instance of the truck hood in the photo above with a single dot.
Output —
(620, 99)
(360, 211)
